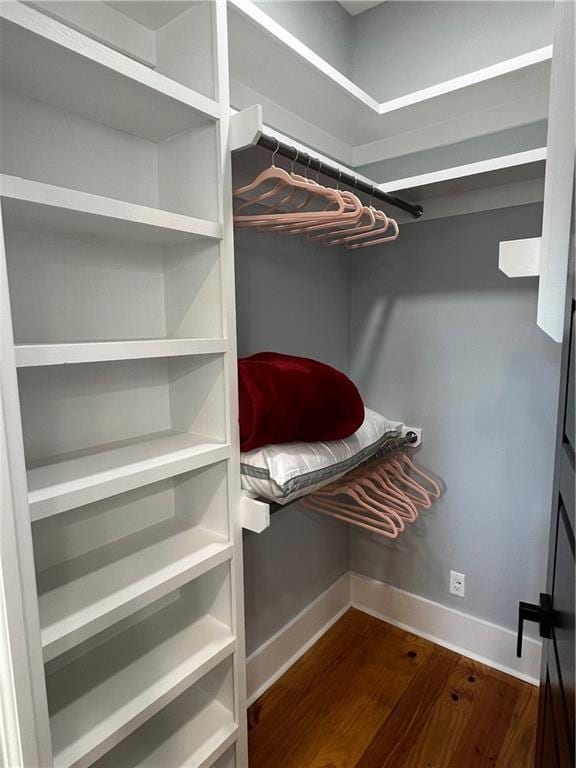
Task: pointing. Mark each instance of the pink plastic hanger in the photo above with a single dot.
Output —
(349, 514)
(436, 491)
(418, 493)
(342, 487)
(352, 213)
(362, 499)
(282, 179)
(368, 490)
(335, 237)
(394, 500)
(409, 509)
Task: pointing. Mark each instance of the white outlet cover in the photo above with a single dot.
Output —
(457, 583)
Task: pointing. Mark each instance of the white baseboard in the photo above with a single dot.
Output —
(279, 652)
(475, 638)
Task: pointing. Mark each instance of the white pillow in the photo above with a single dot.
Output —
(282, 473)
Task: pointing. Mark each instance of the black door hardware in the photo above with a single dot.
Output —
(542, 614)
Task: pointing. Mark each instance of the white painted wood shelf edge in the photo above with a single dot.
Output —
(96, 719)
(87, 476)
(203, 739)
(515, 160)
(289, 41)
(101, 55)
(29, 355)
(299, 49)
(83, 604)
(33, 202)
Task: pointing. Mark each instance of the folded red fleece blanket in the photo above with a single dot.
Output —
(285, 398)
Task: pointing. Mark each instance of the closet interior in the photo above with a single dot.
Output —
(149, 584)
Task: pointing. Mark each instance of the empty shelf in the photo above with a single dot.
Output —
(52, 63)
(101, 697)
(36, 204)
(83, 596)
(186, 734)
(80, 478)
(508, 169)
(28, 355)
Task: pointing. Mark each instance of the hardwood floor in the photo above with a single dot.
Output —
(369, 695)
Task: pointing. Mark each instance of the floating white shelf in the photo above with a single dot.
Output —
(305, 96)
(175, 739)
(100, 698)
(81, 478)
(52, 63)
(508, 169)
(29, 355)
(33, 203)
(520, 258)
(83, 596)
(254, 513)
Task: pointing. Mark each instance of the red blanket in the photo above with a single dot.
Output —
(285, 398)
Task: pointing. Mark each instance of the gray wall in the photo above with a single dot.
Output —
(323, 26)
(293, 299)
(441, 338)
(400, 47)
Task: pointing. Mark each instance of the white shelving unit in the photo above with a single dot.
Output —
(56, 208)
(500, 182)
(304, 96)
(507, 169)
(101, 696)
(51, 62)
(119, 386)
(28, 355)
(200, 725)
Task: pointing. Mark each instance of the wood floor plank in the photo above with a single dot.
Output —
(390, 746)
(310, 668)
(287, 737)
(306, 725)
(481, 743)
(369, 695)
(442, 731)
(520, 743)
(388, 666)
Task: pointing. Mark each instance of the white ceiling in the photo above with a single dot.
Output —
(354, 7)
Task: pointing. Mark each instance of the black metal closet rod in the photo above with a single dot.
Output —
(278, 147)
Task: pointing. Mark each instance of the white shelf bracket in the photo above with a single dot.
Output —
(254, 513)
(520, 258)
(246, 127)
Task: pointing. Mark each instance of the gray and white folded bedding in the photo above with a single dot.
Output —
(282, 473)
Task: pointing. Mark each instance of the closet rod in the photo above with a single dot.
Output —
(278, 147)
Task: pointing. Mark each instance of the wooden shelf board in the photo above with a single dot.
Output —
(28, 355)
(53, 63)
(72, 480)
(83, 596)
(103, 696)
(196, 737)
(507, 169)
(36, 204)
(269, 60)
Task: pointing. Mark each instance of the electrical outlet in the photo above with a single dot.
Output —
(457, 583)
